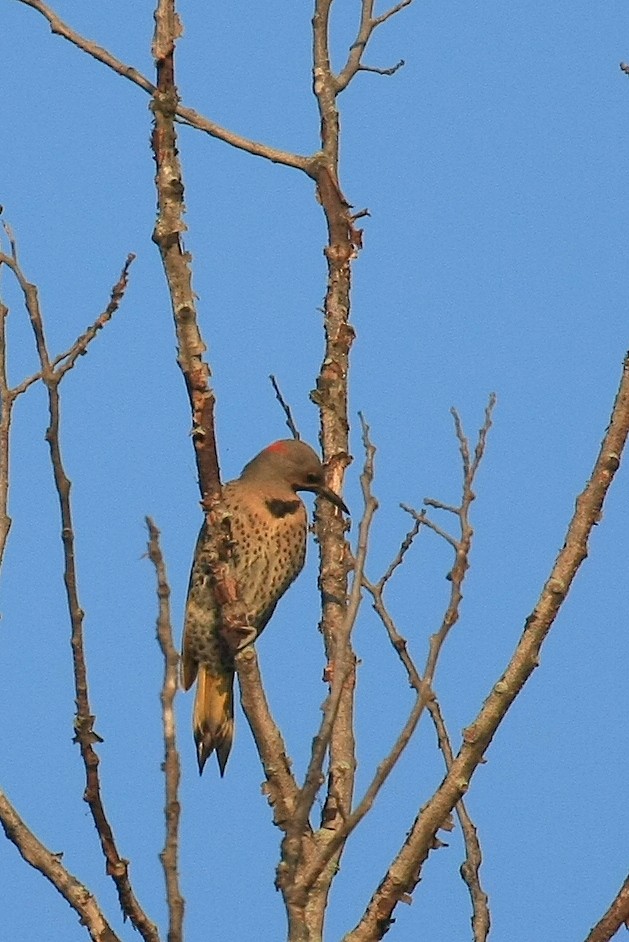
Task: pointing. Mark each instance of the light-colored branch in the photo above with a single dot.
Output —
(196, 371)
(167, 236)
(172, 766)
(614, 919)
(368, 23)
(421, 517)
(7, 398)
(463, 545)
(422, 686)
(280, 786)
(50, 866)
(405, 871)
(186, 115)
(302, 851)
(340, 669)
(470, 868)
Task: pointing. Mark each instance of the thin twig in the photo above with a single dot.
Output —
(399, 644)
(50, 866)
(438, 505)
(405, 546)
(336, 838)
(470, 868)
(463, 545)
(290, 422)
(65, 361)
(378, 71)
(420, 517)
(172, 766)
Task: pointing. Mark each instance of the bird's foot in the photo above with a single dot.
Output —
(240, 636)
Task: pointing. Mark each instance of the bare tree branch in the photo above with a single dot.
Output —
(420, 517)
(7, 398)
(176, 261)
(280, 786)
(614, 919)
(196, 372)
(470, 868)
(368, 23)
(49, 865)
(85, 735)
(9, 395)
(379, 71)
(186, 115)
(404, 873)
(423, 686)
(398, 559)
(330, 838)
(462, 546)
(65, 361)
(172, 766)
(336, 733)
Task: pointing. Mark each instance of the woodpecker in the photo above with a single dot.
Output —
(269, 526)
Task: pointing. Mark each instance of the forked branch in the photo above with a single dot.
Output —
(404, 873)
(424, 695)
(368, 23)
(85, 735)
(50, 866)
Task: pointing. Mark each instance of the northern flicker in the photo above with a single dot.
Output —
(268, 526)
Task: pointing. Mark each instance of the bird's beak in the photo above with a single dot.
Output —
(329, 494)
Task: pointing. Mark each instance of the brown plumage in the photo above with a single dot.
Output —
(269, 526)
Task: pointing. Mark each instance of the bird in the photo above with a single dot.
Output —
(269, 526)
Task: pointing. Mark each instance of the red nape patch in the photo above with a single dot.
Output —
(276, 446)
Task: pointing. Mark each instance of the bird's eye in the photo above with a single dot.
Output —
(312, 477)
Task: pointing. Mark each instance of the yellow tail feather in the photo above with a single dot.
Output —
(213, 716)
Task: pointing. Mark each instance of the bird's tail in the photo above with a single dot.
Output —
(213, 715)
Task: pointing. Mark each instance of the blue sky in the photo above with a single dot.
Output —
(493, 165)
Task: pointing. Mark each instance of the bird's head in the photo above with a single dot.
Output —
(294, 464)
